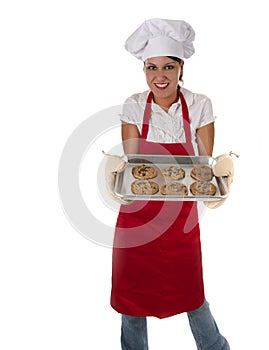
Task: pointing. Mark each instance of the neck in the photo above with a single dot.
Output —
(166, 102)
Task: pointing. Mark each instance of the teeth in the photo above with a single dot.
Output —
(161, 84)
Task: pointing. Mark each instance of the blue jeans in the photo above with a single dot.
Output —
(203, 327)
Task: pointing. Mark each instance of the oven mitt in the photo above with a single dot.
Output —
(114, 165)
(223, 167)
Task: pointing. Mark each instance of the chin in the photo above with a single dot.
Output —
(161, 94)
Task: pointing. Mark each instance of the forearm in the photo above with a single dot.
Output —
(205, 139)
(130, 138)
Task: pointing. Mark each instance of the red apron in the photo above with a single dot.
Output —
(157, 261)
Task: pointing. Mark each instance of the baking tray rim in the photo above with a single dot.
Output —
(161, 160)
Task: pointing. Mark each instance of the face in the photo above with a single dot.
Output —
(162, 75)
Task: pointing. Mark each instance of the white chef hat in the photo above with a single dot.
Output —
(161, 37)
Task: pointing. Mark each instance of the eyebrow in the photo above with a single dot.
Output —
(154, 64)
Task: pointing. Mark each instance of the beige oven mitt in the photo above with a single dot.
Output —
(114, 165)
(223, 167)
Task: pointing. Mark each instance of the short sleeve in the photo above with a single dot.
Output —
(133, 110)
(201, 111)
(130, 112)
(207, 115)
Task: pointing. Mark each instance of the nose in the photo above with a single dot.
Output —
(160, 74)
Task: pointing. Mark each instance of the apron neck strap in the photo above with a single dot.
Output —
(147, 113)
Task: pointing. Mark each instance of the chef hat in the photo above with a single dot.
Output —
(161, 37)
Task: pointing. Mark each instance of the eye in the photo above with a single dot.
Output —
(169, 67)
(151, 67)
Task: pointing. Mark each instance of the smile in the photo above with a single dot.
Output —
(161, 86)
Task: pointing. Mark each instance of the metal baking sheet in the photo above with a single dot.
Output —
(125, 178)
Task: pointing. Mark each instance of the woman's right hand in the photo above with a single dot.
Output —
(114, 165)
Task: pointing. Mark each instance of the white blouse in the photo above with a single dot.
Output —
(167, 127)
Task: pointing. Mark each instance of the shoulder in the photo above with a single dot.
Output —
(135, 104)
(200, 108)
(195, 99)
(138, 98)
(133, 107)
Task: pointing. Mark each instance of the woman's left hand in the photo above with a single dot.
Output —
(224, 167)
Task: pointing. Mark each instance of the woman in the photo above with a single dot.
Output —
(157, 264)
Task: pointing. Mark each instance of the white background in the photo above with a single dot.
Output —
(62, 61)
